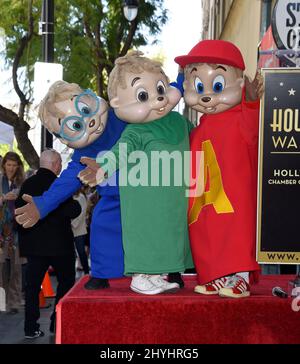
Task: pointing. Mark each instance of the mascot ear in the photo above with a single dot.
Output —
(185, 84)
(241, 81)
(174, 95)
(49, 121)
(114, 103)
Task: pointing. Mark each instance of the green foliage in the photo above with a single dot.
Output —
(159, 57)
(14, 21)
(89, 35)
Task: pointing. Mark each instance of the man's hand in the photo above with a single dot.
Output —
(255, 88)
(28, 215)
(93, 174)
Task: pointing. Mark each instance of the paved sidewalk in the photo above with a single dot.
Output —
(12, 327)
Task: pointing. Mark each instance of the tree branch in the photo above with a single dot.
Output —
(120, 33)
(88, 29)
(23, 44)
(25, 146)
(129, 38)
(8, 116)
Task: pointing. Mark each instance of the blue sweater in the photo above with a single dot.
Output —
(68, 182)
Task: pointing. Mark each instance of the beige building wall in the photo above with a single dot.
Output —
(242, 27)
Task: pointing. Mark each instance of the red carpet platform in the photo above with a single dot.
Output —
(119, 316)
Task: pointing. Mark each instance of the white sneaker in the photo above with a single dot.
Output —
(158, 281)
(236, 287)
(140, 283)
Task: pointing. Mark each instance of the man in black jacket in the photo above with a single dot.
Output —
(49, 242)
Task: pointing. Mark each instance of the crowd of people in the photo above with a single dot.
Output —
(26, 255)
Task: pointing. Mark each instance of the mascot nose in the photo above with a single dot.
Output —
(160, 98)
(206, 99)
(92, 123)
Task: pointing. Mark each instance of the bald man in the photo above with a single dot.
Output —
(49, 242)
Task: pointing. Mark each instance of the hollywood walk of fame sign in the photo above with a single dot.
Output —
(278, 228)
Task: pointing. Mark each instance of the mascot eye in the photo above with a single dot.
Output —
(83, 108)
(219, 84)
(199, 87)
(74, 125)
(142, 95)
(161, 88)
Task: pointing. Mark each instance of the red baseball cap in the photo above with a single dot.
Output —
(213, 51)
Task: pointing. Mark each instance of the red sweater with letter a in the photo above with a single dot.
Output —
(222, 222)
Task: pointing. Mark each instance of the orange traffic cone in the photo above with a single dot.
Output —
(42, 301)
(47, 286)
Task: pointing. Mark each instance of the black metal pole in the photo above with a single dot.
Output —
(48, 55)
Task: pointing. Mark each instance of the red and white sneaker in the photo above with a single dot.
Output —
(236, 287)
(212, 287)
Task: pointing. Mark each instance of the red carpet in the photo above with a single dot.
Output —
(120, 316)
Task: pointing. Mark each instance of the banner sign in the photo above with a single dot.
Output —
(6, 134)
(286, 28)
(268, 44)
(278, 218)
